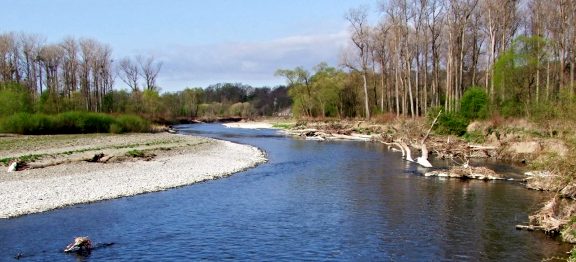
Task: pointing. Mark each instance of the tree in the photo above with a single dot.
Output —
(515, 72)
(149, 70)
(300, 90)
(358, 19)
(129, 73)
(327, 83)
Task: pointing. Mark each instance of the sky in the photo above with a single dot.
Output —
(198, 42)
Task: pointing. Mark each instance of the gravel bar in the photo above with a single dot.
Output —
(196, 160)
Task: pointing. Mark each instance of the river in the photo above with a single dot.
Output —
(335, 201)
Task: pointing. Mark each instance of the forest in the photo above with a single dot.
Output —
(515, 56)
(470, 58)
(79, 75)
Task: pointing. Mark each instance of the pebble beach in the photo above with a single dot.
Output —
(67, 179)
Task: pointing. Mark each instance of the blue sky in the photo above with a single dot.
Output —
(198, 42)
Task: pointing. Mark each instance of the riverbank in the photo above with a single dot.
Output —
(63, 170)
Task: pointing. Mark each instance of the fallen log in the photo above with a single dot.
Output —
(529, 227)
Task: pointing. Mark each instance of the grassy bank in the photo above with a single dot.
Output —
(72, 123)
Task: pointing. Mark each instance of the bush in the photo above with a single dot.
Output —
(71, 123)
(14, 98)
(452, 123)
(474, 104)
(448, 123)
(130, 123)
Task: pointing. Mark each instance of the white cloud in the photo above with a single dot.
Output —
(252, 63)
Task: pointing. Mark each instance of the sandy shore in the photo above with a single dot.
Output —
(171, 161)
(249, 125)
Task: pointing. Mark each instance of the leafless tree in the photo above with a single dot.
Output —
(70, 65)
(149, 70)
(358, 19)
(129, 73)
(30, 52)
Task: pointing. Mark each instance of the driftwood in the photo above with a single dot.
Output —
(407, 153)
(423, 160)
(13, 166)
(466, 172)
(80, 244)
(529, 227)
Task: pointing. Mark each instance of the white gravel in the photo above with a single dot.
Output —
(249, 125)
(83, 182)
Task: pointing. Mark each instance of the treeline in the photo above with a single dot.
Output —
(215, 101)
(426, 54)
(79, 75)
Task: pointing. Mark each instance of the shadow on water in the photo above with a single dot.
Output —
(337, 201)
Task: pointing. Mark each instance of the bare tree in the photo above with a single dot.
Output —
(8, 57)
(129, 73)
(51, 57)
(358, 19)
(30, 52)
(149, 70)
(70, 65)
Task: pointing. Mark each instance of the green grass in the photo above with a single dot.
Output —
(283, 125)
(136, 153)
(25, 159)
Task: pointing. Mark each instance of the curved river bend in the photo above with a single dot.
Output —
(336, 201)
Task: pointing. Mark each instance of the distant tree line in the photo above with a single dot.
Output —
(79, 75)
(424, 55)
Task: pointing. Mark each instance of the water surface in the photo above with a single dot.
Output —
(335, 201)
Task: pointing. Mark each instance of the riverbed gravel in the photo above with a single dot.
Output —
(177, 161)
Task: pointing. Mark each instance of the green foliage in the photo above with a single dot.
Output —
(129, 123)
(241, 110)
(14, 98)
(316, 95)
(71, 123)
(448, 123)
(136, 153)
(514, 75)
(82, 122)
(474, 104)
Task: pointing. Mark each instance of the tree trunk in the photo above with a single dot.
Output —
(410, 95)
(366, 102)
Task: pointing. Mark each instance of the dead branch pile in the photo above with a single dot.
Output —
(554, 215)
(467, 172)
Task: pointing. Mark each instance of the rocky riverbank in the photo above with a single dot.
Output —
(57, 171)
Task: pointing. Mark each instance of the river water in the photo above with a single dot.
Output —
(328, 201)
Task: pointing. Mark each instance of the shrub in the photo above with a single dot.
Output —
(474, 104)
(130, 123)
(450, 123)
(72, 123)
(14, 98)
